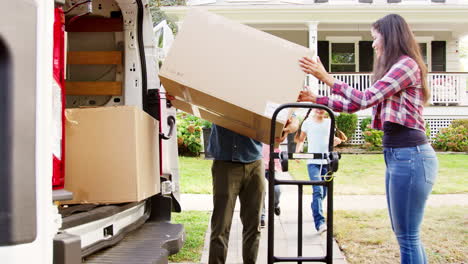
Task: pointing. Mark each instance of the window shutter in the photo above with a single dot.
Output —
(324, 53)
(366, 56)
(439, 57)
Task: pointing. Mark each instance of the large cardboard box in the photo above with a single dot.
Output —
(232, 74)
(111, 155)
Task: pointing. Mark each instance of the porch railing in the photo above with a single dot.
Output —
(446, 88)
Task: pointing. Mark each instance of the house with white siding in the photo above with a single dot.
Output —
(339, 30)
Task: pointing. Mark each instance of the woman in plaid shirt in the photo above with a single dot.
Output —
(397, 97)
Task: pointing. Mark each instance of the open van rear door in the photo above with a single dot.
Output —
(27, 219)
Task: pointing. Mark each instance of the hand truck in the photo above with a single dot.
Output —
(332, 158)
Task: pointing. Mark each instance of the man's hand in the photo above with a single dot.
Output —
(291, 126)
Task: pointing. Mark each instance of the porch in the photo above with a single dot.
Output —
(446, 88)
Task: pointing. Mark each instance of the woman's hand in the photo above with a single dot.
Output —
(307, 96)
(316, 68)
(336, 141)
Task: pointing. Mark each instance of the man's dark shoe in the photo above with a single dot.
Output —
(262, 223)
(277, 211)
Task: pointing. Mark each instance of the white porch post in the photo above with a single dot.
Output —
(313, 25)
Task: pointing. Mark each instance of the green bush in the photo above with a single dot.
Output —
(189, 129)
(460, 122)
(206, 124)
(452, 138)
(365, 124)
(347, 123)
(372, 137)
(428, 130)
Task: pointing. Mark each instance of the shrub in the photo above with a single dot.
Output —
(452, 138)
(189, 134)
(372, 137)
(347, 123)
(428, 130)
(365, 124)
(206, 124)
(460, 122)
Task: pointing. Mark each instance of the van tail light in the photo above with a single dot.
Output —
(58, 100)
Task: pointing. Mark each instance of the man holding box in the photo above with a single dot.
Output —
(237, 170)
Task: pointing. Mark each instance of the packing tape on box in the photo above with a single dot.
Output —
(188, 99)
(186, 95)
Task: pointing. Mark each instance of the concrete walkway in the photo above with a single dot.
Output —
(286, 223)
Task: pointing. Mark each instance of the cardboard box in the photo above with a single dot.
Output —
(111, 155)
(232, 75)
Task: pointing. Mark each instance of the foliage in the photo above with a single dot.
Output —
(347, 123)
(372, 137)
(189, 129)
(365, 124)
(452, 138)
(206, 124)
(158, 15)
(428, 130)
(460, 122)
(342, 58)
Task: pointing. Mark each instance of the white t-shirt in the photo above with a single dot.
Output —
(318, 136)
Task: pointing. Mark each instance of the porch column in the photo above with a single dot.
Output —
(312, 26)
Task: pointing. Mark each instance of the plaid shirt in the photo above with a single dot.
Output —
(397, 97)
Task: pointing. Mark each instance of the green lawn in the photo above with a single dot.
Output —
(357, 174)
(195, 224)
(195, 175)
(365, 174)
(367, 238)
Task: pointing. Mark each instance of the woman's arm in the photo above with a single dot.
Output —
(336, 105)
(403, 74)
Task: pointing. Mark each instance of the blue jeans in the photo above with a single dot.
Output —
(320, 192)
(410, 175)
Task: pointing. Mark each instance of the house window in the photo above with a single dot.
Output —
(426, 49)
(423, 47)
(343, 57)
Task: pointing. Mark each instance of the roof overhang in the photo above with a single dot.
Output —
(452, 18)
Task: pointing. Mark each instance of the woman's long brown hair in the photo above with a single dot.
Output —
(398, 40)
